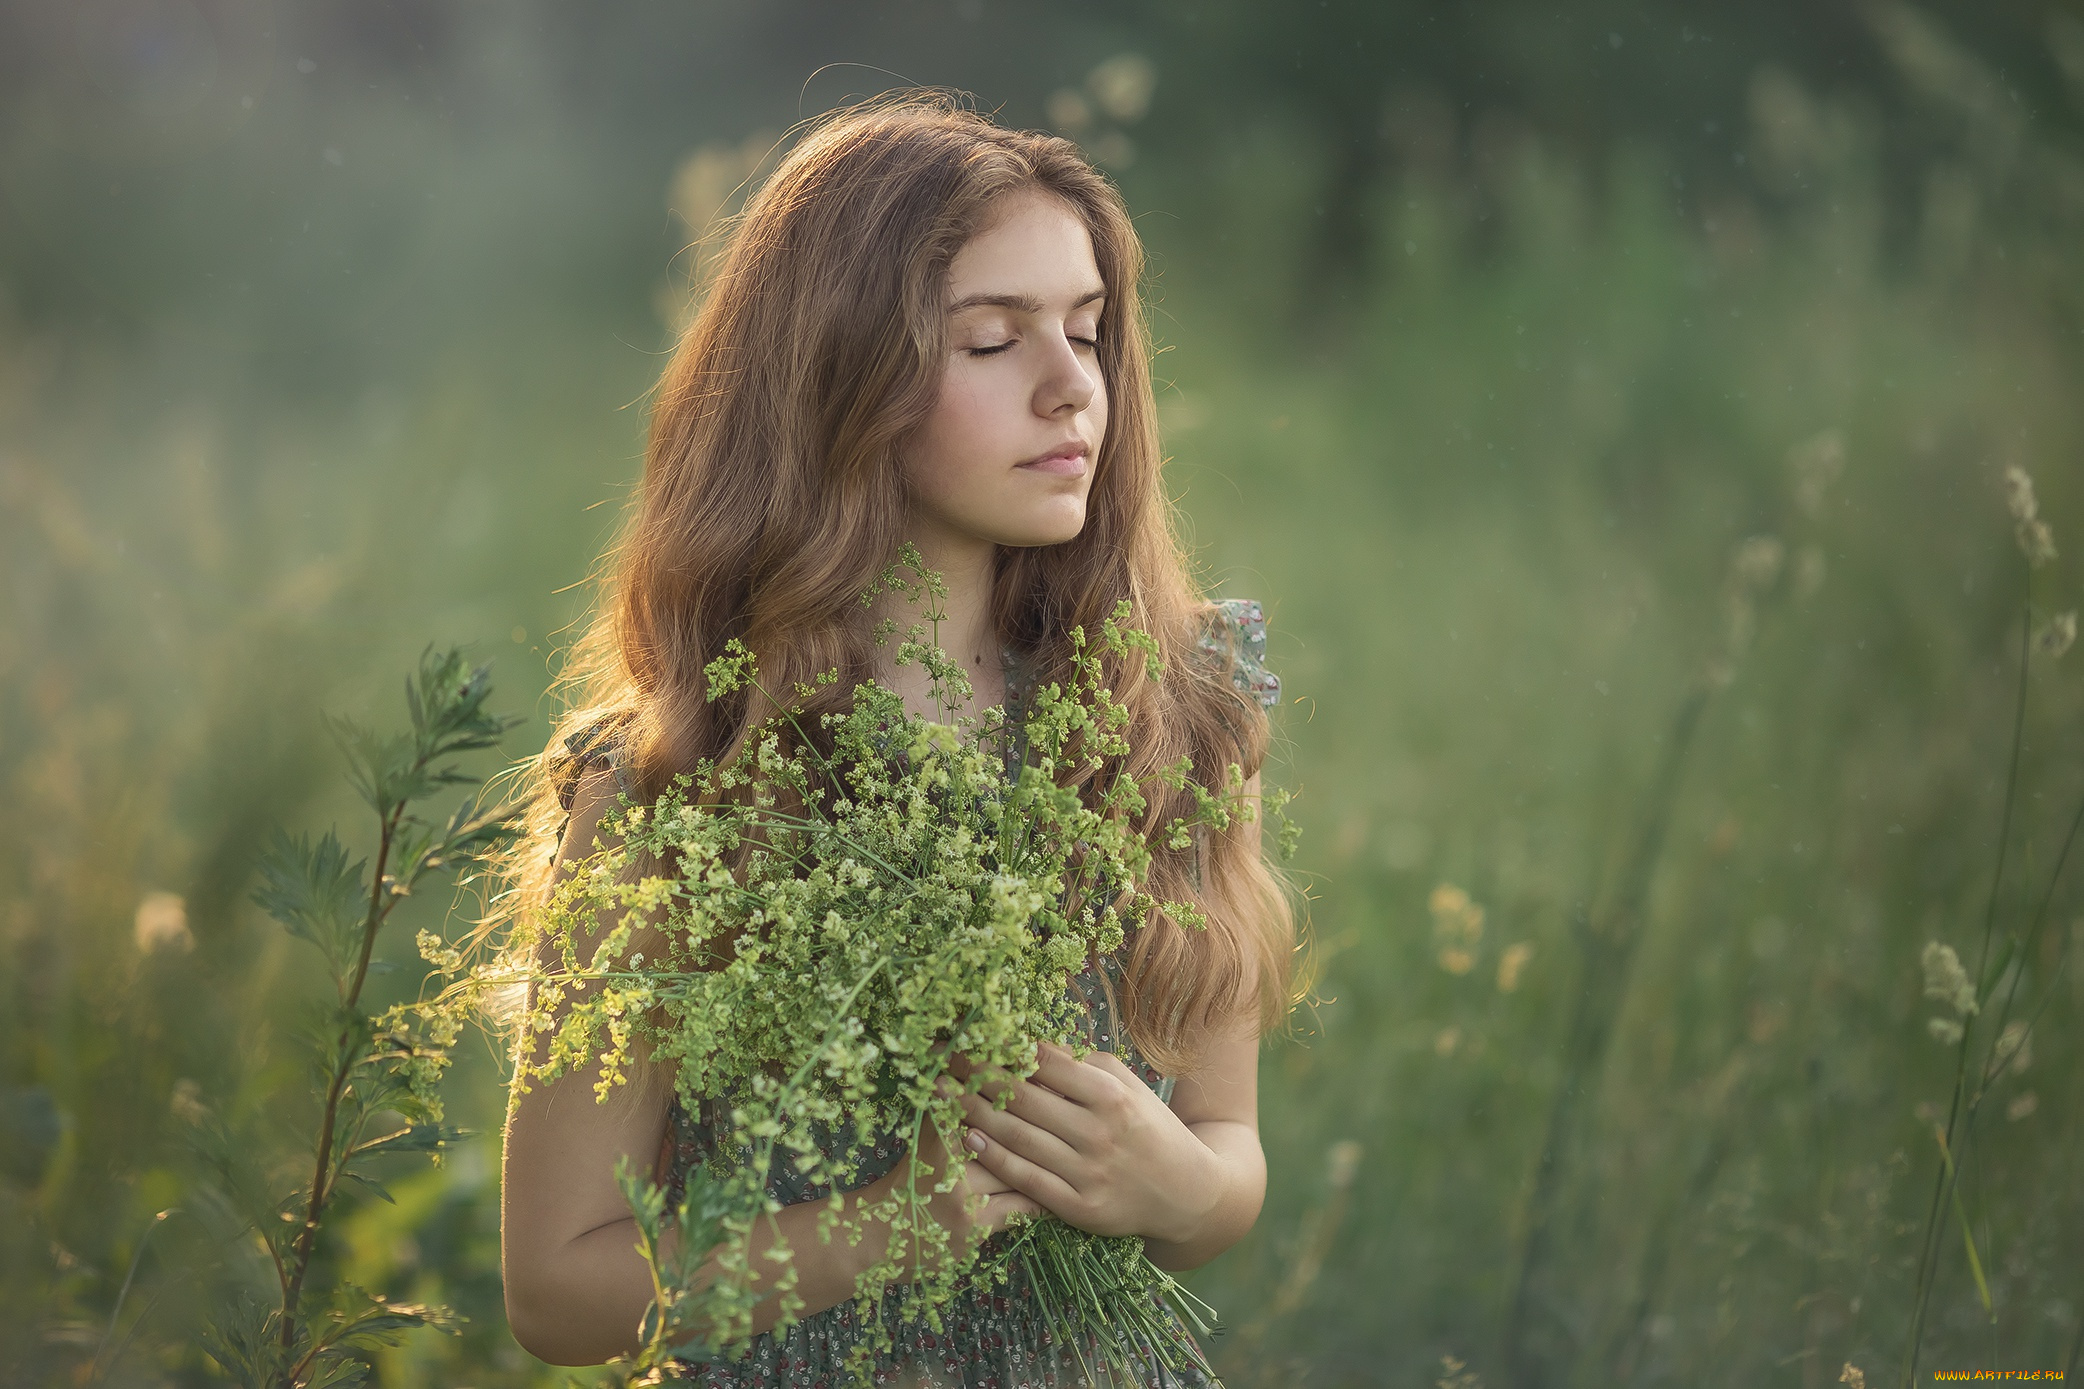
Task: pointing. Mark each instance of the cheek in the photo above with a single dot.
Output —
(964, 412)
(957, 440)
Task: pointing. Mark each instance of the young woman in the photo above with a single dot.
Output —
(924, 328)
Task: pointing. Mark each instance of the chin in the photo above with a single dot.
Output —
(1043, 530)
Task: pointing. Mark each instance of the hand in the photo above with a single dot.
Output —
(979, 1205)
(1089, 1141)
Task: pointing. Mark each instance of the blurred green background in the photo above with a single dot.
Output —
(1494, 337)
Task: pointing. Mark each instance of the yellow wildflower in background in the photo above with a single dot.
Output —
(1456, 1374)
(1457, 927)
(1511, 963)
(162, 924)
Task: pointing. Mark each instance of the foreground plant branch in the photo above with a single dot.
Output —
(368, 1066)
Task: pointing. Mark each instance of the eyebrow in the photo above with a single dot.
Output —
(1023, 303)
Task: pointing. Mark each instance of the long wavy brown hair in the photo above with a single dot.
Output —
(773, 497)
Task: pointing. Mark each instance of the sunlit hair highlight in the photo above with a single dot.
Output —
(773, 497)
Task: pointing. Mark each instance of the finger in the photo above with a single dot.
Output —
(947, 1087)
(934, 1156)
(1083, 1081)
(1106, 1061)
(1113, 1064)
(1031, 1141)
(1024, 1175)
(994, 1081)
(1001, 1211)
(970, 1078)
(981, 1179)
(932, 1151)
(1073, 1123)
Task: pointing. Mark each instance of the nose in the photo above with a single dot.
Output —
(1068, 381)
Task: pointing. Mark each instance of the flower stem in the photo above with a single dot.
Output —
(1975, 1263)
(1945, 1181)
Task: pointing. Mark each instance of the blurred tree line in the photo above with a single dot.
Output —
(124, 119)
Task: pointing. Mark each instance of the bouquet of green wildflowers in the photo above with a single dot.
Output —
(838, 926)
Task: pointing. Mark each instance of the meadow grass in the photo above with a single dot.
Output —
(1494, 514)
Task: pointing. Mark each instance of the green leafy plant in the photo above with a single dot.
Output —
(815, 930)
(376, 1074)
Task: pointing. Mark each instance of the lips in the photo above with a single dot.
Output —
(1066, 460)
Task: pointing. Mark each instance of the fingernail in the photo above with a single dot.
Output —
(975, 1140)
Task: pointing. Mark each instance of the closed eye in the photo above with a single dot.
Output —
(993, 349)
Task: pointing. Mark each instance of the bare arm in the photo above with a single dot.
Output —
(1219, 1104)
(576, 1287)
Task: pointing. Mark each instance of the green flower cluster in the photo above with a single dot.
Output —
(833, 916)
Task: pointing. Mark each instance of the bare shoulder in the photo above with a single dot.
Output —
(597, 793)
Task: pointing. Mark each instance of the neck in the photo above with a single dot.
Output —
(966, 631)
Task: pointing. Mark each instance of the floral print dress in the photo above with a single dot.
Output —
(990, 1339)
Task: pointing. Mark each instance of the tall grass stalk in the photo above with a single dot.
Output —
(109, 1349)
(1607, 945)
(1943, 1184)
(1605, 952)
(1970, 1089)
